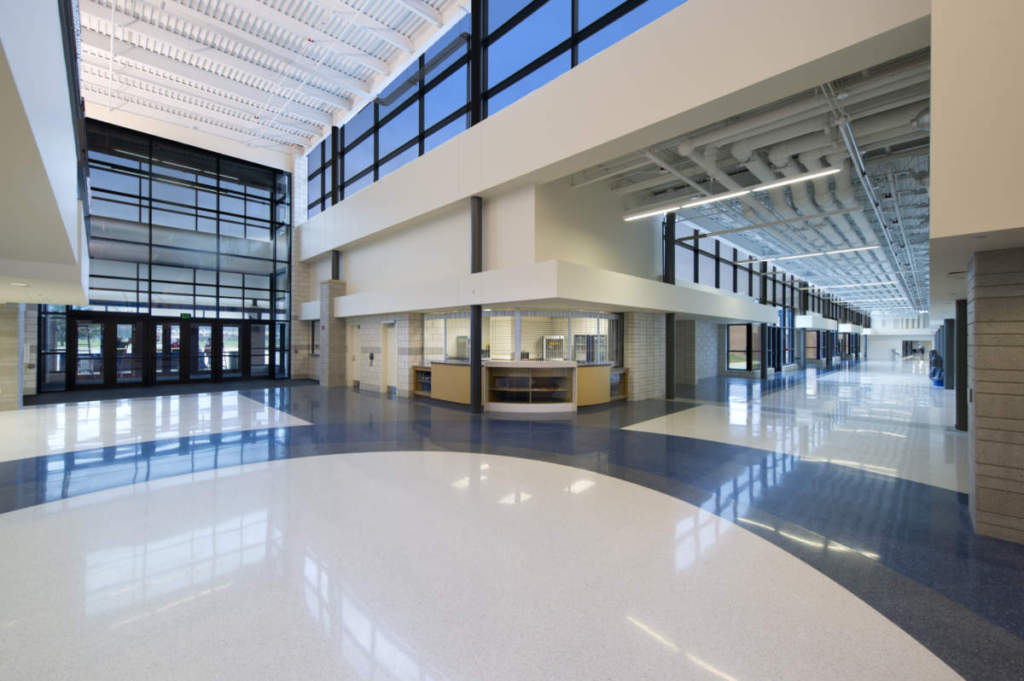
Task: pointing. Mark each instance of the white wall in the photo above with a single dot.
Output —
(584, 225)
(881, 347)
(42, 230)
(437, 246)
(618, 102)
(976, 56)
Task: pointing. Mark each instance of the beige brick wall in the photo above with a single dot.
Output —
(697, 350)
(644, 354)
(30, 349)
(995, 373)
(12, 324)
(368, 334)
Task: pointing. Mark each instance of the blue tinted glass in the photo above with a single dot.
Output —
(638, 18)
(313, 210)
(359, 124)
(399, 89)
(525, 86)
(444, 42)
(400, 160)
(315, 158)
(590, 10)
(358, 158)
(446, 133)
(445, 97)
(399, 129)
(542, 30)
(313, 189)
(500, 11)
(364, 181)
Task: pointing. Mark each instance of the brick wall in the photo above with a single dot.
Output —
(368, 336)
(995, 372)
(30, 349)
(11, 338)
(697, 350)
(644, 354)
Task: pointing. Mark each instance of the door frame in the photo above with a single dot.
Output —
(146, 340)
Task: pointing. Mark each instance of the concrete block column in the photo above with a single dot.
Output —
(643, 349)
(12, 338)
(995, 378)
(330, 364)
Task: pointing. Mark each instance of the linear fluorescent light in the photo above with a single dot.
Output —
(807, 255)
(867, 283)
(650, 214)
(794, 180)
(732, 195)
(718, 197)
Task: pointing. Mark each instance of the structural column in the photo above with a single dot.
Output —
(331, 364)
(669, 277)
(961, 365)
(12, 332)
(995, 385)
(476, 264)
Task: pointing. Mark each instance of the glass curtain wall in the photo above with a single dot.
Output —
(707, 260)
(523, 46)
(182, 232)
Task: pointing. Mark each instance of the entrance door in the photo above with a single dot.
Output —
(89, 361)
(167, 351)
(201, 357)
(128, 355)
(259, 349)
(230, 351)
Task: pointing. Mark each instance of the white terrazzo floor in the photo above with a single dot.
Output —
(420, 565)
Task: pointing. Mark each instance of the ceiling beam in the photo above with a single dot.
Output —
(101, 67)
(102, 15)
(221, 113)
(422, 10)
(125, 51)
(636, 165)
(367, 22)
(220, 26)
(315, 34)
(97, 95)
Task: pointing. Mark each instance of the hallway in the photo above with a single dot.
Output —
(823, 485)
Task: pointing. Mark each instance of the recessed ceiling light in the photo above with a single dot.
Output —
(19, 284)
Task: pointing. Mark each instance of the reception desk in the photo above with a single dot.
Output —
(525, 386)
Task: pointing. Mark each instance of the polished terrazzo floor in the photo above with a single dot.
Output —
(778, 537)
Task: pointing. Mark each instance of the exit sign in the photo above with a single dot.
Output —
(186, 315)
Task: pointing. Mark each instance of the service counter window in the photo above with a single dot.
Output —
(544, 338)
(526, 335)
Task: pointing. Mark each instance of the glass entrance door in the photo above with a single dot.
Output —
(167, 351)
(259, 349)
(89, 361)
(201, 358)
(127, 353)
(230, 351)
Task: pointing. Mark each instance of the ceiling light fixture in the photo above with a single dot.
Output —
(776, 258)
(19, 284)
(732, 195)
(868, 283)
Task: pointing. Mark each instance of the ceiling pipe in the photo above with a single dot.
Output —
(780, 155)
(814, 105)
